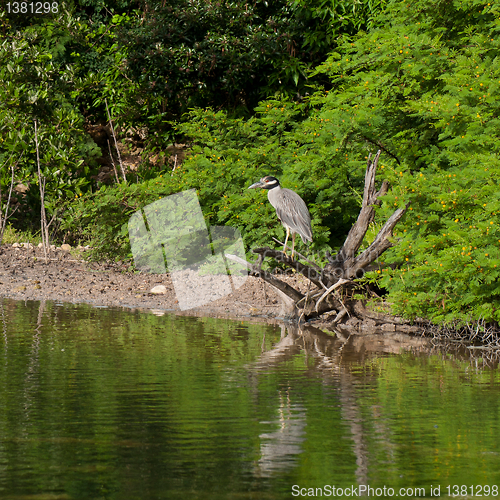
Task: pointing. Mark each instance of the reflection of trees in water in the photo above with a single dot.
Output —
(32, 375)
(480, 357)
(279, 449)
(334, 356)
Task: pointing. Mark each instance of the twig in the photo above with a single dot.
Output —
(116, 143)
(52, 218)
(380, 146)
(41, 182)
(339, 283)
(3, 220)
(175, 165)
(113, 162)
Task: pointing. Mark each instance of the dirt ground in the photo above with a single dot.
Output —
(65, 276)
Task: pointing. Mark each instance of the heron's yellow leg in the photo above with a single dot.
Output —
(286, 239)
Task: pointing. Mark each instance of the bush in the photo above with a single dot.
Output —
(227, 156)
(34, 88)
(424, 89)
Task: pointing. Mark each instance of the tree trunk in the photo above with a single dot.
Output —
(333, 283)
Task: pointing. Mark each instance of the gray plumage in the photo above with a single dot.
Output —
(290, 208)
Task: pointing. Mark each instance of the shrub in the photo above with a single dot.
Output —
(424, 89)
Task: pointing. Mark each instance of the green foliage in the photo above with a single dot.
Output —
(227, 156)
(423, 88)
(187, 54)
(12, 236)
(323, 21)
(150, 62)
(33, 87)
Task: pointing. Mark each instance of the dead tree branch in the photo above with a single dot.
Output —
(256, 270)
(4, 216)
(379, 245)
(307, 271)
(346, 264)
(41, 182)
(366, 214)
(341, 271)
(113, 163)
(116, 143)
(330, 290)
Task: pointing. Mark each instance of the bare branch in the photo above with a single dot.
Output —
(381, 242)
(266, 276)
(366, 215)
(116, 143)
(113, 162)
(175, 165)
(307, 271)
(52, 218)
(3, 220)
(330, 290)
(41, 183)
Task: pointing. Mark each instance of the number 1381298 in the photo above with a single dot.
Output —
(32, 8)
(473, 491)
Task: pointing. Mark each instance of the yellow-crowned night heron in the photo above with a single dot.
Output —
(290, 209)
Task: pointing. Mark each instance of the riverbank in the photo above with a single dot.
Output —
(66, 276)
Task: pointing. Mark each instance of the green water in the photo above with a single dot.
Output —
(111, 404)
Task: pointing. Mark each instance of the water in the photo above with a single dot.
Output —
(110, 404)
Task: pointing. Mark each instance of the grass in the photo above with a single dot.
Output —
(12, 235)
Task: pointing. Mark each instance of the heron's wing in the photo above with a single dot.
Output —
(292, 212)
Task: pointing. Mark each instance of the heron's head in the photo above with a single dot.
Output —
(267, 182)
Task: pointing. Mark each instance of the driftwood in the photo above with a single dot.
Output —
(333, 284)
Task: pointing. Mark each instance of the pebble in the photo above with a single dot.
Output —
(159, 290)
(64, 247)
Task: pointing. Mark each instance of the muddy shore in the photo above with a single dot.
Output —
(67, 277)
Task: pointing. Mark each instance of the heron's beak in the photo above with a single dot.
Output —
(256, 185)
